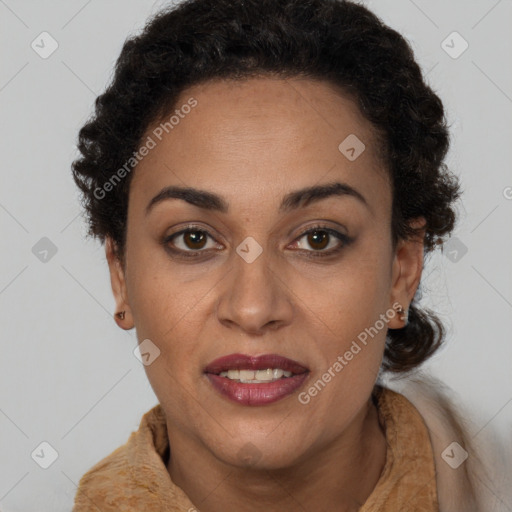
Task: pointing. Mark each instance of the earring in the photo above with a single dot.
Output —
(404, 314)
(120, 315)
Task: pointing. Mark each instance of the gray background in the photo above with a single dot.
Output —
(68, 374)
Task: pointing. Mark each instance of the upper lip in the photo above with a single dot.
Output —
(245, 362)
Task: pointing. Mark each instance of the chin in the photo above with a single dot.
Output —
(261, 455)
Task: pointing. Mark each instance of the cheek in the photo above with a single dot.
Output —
(164, 313)
(165, 310)
(351, 308)
(161, 295)
(171, 313)
(350, 345)
(352, 294)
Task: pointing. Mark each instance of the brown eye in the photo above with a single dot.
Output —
(322, 241)
(194, 239)
(190, 242)
(318, 239)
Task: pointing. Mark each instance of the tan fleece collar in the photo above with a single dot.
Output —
(134, 477)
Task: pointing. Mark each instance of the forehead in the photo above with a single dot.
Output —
(261, 137)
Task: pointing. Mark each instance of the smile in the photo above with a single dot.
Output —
(256, 376)
(255, 380)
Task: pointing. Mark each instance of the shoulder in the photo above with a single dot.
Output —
(471, 466)
(134, 476)
(95, 486)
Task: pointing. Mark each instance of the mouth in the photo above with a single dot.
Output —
(256, 380)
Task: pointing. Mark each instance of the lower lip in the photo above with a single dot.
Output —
(257, 394)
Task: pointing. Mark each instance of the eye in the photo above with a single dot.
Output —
(320, 238)
(191, 240)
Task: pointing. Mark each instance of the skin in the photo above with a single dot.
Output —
(252, 142)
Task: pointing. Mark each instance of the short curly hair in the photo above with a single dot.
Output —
(337, 41)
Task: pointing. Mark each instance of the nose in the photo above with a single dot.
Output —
(254, 297)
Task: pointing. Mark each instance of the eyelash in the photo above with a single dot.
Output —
(344, 239)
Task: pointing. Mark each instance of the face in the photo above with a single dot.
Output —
(261, 269)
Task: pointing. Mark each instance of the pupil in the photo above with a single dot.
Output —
(196, 237)
(315, 236)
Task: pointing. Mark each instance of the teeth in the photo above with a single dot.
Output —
(255, 376)
(265, 375)
(233, 374)
(277, 373)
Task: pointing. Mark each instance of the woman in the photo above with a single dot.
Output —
(268, 177)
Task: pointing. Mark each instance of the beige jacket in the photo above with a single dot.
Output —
(483, 483)
(417, 477)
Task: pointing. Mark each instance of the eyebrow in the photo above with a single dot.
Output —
(291, 201)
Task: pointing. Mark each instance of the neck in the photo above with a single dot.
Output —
(339, 476)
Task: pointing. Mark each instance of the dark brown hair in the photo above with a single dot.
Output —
(337, 41)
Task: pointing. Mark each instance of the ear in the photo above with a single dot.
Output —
(406, 273)
(123, 316)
